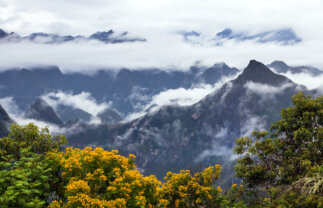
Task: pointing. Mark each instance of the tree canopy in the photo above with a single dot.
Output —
(287, 161)
(26, 175)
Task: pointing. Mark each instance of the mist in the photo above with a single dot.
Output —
(167, 53)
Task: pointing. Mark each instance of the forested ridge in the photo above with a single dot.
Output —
(281, 167)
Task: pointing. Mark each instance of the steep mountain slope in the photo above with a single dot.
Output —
(175, 137)
(5, 122)
(41, 111)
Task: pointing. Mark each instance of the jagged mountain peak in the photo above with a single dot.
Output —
(40, 110)
(259, 73)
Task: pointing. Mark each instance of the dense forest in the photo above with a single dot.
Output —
(281, 167)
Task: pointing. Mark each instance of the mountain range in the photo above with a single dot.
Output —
(127, 90)
(284, 36)
(110, 37)
(282, 67)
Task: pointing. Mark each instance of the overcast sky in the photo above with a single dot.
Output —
(158, 21)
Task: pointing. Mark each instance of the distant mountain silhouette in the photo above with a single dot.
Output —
(282, 67)
(216, 72)
(46, 38)
(285, 36)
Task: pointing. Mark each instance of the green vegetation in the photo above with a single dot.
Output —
(26, 175)
(281, 168)
(286, 164)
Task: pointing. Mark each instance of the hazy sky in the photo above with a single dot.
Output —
(158, 21)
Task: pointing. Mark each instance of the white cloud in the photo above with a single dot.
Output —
(158, 21)
(9, 105)
(219, 151)
(253, 123)
(83, 101)
(311, 82)
(266, 90)
(168, 52)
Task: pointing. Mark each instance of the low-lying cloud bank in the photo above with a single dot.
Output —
(169, 52)
(311, 82)
(83, 101)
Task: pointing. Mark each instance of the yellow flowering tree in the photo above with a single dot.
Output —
(99, 178)
(198, 190)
